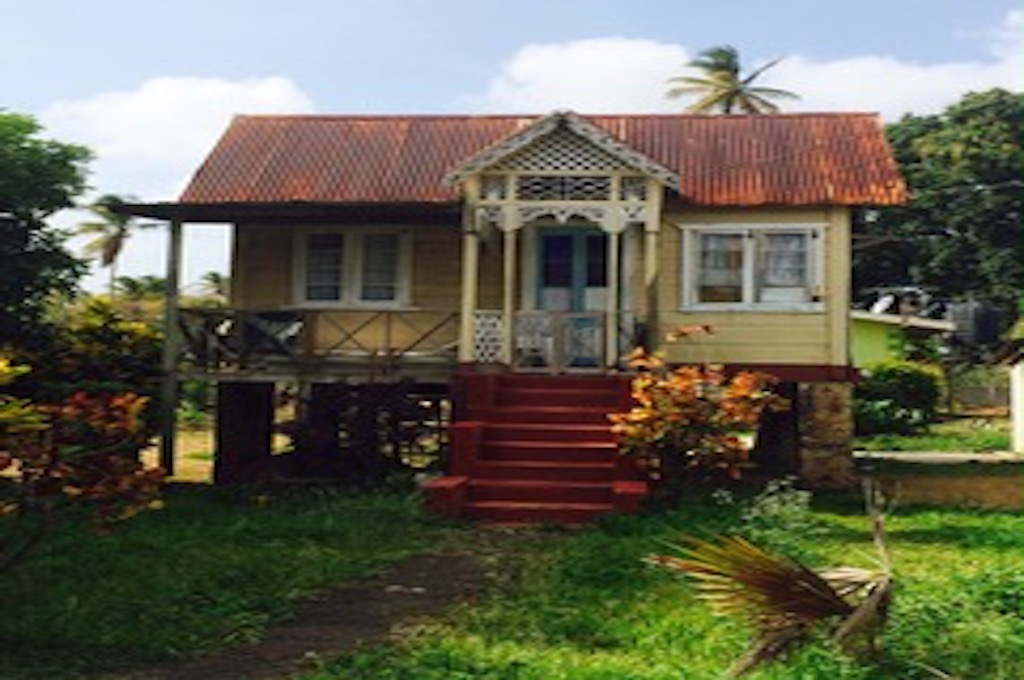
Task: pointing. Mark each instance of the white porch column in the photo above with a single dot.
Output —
(171, 349)
(470, 286)
(613, 226)
(1017, 406)
(510, 225)
(652, 225)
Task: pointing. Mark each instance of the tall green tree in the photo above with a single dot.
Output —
(38, 177)
(723, 88)
(110, 230)
(961, 235)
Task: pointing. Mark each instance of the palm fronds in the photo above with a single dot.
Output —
(784, 599)
(722, 88)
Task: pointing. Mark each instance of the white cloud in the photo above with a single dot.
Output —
(599, 75)
(628, 75)
(149, 140)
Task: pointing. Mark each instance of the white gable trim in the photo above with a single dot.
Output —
(496, 153)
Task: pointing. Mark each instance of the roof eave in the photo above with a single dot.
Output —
(260, 211)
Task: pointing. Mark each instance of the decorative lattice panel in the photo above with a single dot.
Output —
(562, 188)
(561, 150)
(492, 187)
(633, 188)
(488, 336)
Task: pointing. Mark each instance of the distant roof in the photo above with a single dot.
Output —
(785, 159)
(905, 321)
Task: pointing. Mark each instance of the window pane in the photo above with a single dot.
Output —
(720, 276)
(783, 271)
(380, 267)
(597, 260)
(556, 261)
(324, 253)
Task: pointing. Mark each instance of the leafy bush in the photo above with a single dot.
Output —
(897, 397)
(692, 420)
(66, 462)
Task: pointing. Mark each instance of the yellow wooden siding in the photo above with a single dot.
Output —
(809, 338)
(263, 261)
(436, 262)
(262, 268)
(264, 258)
(490, 281)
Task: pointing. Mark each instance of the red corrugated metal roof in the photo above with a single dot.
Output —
(785, 159)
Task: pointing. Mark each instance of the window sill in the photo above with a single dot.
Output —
(765, 307)
(347, 306)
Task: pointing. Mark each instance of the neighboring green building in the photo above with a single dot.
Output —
(876, 337)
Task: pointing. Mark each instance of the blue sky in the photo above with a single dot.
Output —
(149, 85)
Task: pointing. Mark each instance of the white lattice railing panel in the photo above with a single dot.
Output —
(583, 341)
(535, 341)
(487, 339)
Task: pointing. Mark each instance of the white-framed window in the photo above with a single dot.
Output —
(343, 267)
(752, 266)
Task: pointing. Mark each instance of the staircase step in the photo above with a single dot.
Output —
(536, 450)
(608, 399)
(526, 511)
(584, 415)
(531, 470)
(548, 432)
(576, 382)
(538, 491)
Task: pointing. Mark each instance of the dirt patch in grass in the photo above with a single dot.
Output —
(340, 621)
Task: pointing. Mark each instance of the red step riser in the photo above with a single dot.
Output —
(512, 513)
(543, 472)
(535, 398)
(545, 451)
(560, 382)
(541, 450)
(558, 415)
(553, 432)
(540, 492)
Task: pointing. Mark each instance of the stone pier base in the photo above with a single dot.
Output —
(825, 435)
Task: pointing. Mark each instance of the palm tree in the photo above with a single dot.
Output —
(216, 284)
(723, 88)
(110, 230)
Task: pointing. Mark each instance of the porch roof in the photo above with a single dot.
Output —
(737, 160)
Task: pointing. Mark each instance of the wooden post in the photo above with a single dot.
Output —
(611, 339)
(1017, 405)
(652, 225)
(510, 226)
(470, 280)
(470, 285)
(245, 424)
(171, 349)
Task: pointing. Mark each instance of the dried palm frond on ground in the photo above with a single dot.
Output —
(785, 600)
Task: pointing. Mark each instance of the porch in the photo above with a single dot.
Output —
(317, 345)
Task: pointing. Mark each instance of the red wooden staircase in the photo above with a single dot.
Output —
(537, 449)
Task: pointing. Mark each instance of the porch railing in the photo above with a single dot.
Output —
(553, 342)
(222, 339)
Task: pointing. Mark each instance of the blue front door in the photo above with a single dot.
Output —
(573, 273)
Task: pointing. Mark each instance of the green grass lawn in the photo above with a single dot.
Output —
(216, 566)
(210, 570)
(584, 607)
(958, 435)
